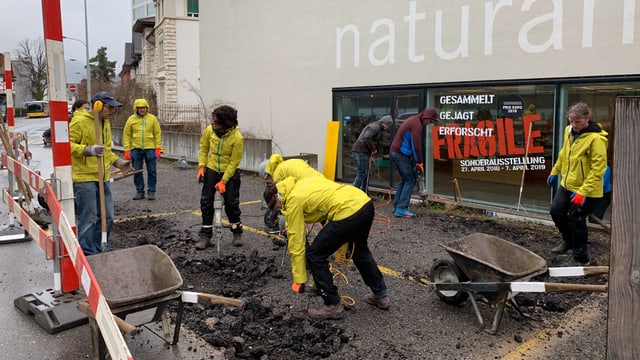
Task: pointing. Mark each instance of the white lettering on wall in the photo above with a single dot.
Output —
(463, 46)
(555, 38)
(628, 21)
(356, 44)
(587, 23)
(490, 13)
(411, 19)
(388, 40)
(551, 23)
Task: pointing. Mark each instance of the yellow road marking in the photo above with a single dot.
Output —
(526, 348)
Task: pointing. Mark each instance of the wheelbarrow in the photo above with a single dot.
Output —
(138, 284)
(498, 270)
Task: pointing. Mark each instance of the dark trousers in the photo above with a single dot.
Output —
(334, 234)
(231, 201)
(571, 220)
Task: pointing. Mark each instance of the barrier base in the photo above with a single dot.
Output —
(12, 234)
(51, 312)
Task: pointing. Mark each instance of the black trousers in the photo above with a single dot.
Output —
(333, 235)
(571, 220)
(231, 201)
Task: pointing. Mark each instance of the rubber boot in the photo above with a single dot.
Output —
(203, 242)
(237, 240)
(561, 248)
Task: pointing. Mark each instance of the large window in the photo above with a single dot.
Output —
(355, 111)
(497, 142)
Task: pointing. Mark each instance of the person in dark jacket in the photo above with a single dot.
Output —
(406, 153)
(366, 147)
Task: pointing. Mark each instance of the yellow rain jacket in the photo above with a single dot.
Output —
(82, 133)
(280, 169)
(310, 200)
(582, 161)
(141, 132)
(221, 154)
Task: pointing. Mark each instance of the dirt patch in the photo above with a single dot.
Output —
(273, 325)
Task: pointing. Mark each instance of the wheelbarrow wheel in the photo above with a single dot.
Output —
(446, 271)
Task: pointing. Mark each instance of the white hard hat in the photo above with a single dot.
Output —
(262, 169)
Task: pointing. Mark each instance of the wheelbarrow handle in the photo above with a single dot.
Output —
(124, 326)
(202, 298)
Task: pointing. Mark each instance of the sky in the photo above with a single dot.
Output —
(109, 25)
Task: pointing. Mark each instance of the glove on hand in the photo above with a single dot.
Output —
(200, 176)
(298, 288)
(221, 187)
(127, 154)
(123, 165)
(551, 179)
(421, 167)
(578, 199)
(94, 150)
(158, 153)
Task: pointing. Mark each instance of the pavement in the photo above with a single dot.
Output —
(24, 270)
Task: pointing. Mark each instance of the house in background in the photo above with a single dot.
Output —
(164, 52)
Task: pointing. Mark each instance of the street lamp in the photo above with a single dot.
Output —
(86, 47)
(87, 60)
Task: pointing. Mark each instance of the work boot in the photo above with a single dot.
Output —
(327, 312)
(561, 248)
(381, 302)
(237, 240)
(203, 242)
(139, 196)
(151, 195)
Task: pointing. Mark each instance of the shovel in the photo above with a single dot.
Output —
(103, 206)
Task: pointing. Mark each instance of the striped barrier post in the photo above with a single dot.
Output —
(57, 90)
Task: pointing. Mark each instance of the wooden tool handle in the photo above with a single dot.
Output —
(124, 326)
(215, 299)
(560, 287)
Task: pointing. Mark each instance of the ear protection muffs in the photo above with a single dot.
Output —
(97, 105)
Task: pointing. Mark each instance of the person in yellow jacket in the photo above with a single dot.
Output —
(347, 214)
(221, 149)
(85, 151)
(141, 140)
(280, 168)
(581, 164)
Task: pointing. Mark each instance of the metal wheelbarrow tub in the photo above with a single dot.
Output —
(486, 258)
(479, 259)
(135, 274)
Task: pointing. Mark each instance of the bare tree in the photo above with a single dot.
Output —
(32, 66)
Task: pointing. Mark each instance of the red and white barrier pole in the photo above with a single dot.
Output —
(9, 86)
(57, 90)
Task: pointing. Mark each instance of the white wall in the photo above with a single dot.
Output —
(278, 60)
(188, 58)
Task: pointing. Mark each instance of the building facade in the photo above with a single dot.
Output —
(501, 73)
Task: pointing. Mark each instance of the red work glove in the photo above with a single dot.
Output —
(200, 176)
(421, 167)
(158, 152)
(297, 288)
(578, 199)
(221, 187)
(127, 154)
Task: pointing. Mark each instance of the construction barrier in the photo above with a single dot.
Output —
(111, 333)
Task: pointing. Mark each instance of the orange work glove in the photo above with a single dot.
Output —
(158, 152)
(421, 167)
(200, 176)
(127, 154)
(221, 187)
(297, 288)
